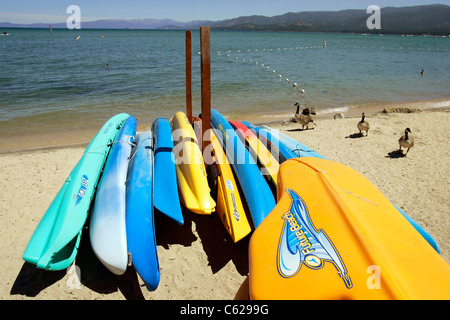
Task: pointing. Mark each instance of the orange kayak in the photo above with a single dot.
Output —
(333, 235)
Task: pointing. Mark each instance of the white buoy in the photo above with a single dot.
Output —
(302, 91)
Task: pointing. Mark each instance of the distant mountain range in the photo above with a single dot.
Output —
(427, 19)
(119, 24)
(432, 19)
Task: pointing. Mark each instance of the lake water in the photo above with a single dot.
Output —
(56, 83)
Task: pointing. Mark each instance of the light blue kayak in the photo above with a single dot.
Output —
(165, 195)
(140, 225)
(54, 243)
(107, 226)
(257, 193)
(299, 149)
(278, 149)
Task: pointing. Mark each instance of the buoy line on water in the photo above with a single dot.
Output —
(295, 84)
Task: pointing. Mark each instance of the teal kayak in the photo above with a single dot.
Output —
(54, 243)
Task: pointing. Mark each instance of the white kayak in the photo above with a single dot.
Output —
(107, 226)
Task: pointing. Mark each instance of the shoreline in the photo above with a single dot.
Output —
(198, 260)
(354, 111)
(57, 139)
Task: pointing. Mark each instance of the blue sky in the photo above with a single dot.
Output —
(52, 11)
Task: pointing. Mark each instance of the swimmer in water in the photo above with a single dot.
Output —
(422, 72)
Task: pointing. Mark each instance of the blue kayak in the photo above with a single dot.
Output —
(278, 149)
(257, 193)
(140, 224)
(165, 194)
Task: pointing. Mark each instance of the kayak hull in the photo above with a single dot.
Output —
(332, 233)
(107, 229)
(140, 223)
(54, 243)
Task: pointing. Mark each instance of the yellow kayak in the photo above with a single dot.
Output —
(191, 173)
(229, 201)
(333, 235)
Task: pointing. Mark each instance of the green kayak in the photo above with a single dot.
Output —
(54, 243)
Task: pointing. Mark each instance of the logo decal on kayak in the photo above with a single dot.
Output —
(80, 194)
(301, 243)
(235, 211)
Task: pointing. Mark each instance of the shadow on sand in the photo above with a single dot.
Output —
(91, 273)
(396, 154)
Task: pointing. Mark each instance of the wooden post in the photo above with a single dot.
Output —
(189, 75)
(206, 84)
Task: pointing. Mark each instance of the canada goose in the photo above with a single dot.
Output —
(305, 117)
(363, 125)
(406, 141)
(309, 111)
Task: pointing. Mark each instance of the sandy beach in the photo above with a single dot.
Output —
(198, 260)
